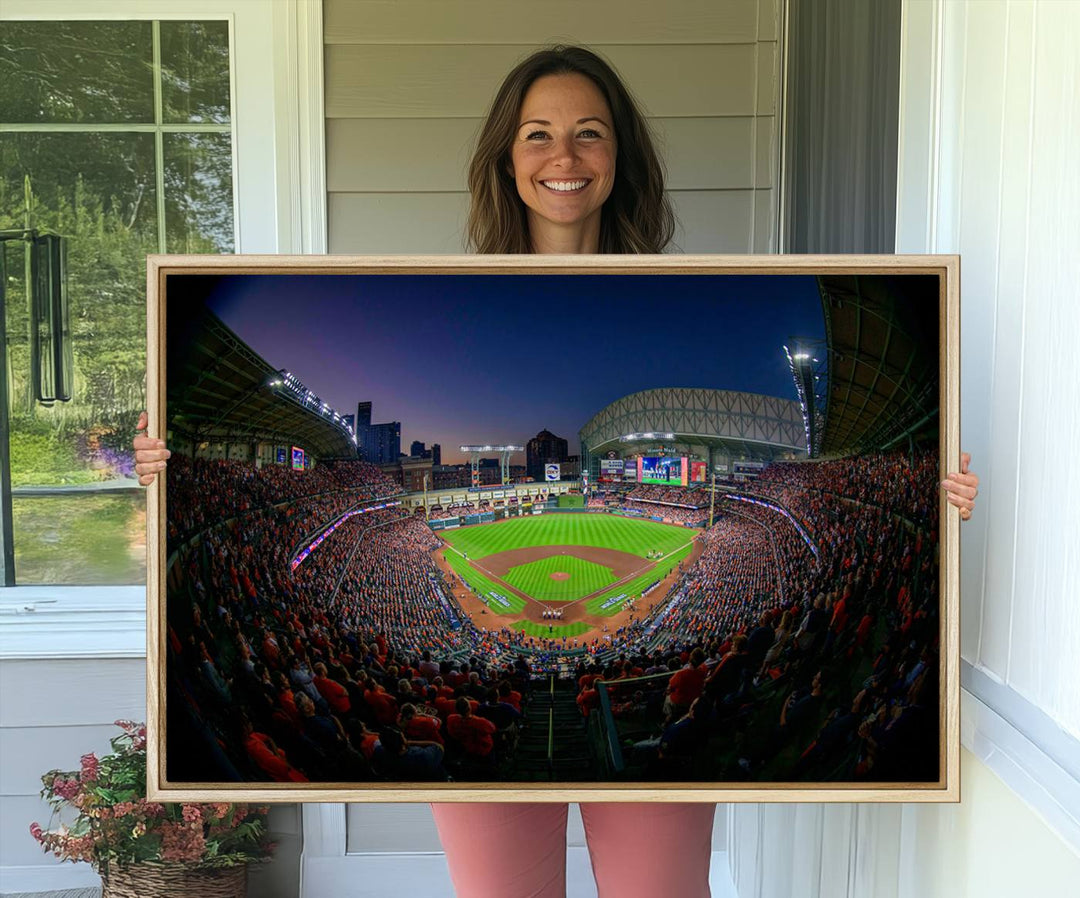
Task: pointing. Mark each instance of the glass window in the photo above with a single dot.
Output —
(195, 72)
(76, 72)
(118, 137)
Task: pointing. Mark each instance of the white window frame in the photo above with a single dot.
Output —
(276, 87)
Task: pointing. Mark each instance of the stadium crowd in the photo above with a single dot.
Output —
(368, 603)
(827, 671)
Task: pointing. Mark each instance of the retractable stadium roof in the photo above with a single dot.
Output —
(748, 425)
(220, 390)
(882, 335)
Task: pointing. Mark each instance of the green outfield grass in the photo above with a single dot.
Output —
(558, 631)
(535, 580)
(607, 531)
(483, 585)
(635, 586)
(630, 535)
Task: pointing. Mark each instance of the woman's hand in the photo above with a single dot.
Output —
(962, 488)
(150, 454)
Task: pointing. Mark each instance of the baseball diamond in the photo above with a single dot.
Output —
(574, 563)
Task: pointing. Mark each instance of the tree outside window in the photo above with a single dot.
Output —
(117, 136)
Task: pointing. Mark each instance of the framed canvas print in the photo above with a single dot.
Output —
(554, 528)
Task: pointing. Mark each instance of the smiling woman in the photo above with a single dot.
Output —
(560, 118)
(563, 162)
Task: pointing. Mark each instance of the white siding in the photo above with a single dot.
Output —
(1007, 199)
(408, 83)
(51, 713)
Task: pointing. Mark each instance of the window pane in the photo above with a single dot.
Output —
(195, 71)
(76, 72)
(75, 519)
(198, 193)
(81, 540)
(98, 191)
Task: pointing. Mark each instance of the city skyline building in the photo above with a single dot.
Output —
(543, 449)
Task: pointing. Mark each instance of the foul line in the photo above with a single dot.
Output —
(611, 587)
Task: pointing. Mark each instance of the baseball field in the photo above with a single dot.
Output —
(595, 559)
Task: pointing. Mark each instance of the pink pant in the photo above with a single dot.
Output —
(638, 850)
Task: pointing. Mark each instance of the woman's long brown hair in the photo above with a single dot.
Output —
(636, 218)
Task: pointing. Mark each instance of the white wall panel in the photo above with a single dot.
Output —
(1045, 636)
(516, 22)
(27, 752)
(1003, 190)
(390, 827)
(456, 80)
(713, 221)
(71, 693)
(978, 205)
(1013, 210)
(397, 222)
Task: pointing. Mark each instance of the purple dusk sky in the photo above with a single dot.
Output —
(497, 358)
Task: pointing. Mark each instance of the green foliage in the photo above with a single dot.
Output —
(99, 190)
(42, 458)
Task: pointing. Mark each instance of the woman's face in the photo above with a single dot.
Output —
(563, 154)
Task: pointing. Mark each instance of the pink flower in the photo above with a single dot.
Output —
(89, 767)
(36, 831)
(192, 814)
(65, 788)
(150, 808)
(123, 808)
(181, 842)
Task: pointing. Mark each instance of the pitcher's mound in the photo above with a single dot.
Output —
(560, 575)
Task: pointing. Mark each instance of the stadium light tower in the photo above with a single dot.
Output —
(811, 383)
(504, 458)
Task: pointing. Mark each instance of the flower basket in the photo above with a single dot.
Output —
(148, 849)
(173, 881)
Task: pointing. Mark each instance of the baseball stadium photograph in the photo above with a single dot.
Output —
(543, 528)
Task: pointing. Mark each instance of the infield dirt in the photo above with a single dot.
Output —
(624, 565)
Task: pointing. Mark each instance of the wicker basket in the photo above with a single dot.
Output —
(174, 881)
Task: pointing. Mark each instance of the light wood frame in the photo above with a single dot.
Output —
(946, 789)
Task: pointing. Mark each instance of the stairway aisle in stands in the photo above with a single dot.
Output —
(554, 746)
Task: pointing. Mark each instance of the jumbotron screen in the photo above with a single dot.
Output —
(663, 470)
